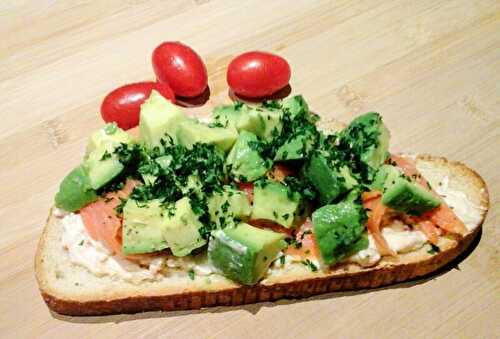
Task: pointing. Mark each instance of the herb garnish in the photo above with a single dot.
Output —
(310, 265)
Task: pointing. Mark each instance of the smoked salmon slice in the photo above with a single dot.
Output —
(102, 221)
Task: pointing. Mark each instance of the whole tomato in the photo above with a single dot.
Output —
(181, 68)
(123, 105)
(258, 74)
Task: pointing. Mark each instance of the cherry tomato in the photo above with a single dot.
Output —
(258, 74)
(123, 105)
(181, 67)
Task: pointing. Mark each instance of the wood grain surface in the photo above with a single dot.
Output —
(432, 68)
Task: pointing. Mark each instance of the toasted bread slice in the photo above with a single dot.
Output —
(73, 290)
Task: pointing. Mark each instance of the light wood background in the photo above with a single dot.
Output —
(432, 68)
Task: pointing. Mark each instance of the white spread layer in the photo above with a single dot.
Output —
(92, 255)
(400, 241)
(461, 205)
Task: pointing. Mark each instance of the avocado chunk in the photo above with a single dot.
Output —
(231, 114)
(246, 163)
(158, 118)
(367, 139)
(295, 105)
(296, 148)
(182, 229)
(338, 230)
(385, 175)
(101, 167)
(143, 227)
(244, 253)
(75, 191)
(408, 197)
(330, 182)
(262, 122)
(108, 138)
(100, 163)
(276, 202)
(192, 131)
(226, 206)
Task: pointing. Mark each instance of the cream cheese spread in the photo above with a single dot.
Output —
(465, 210)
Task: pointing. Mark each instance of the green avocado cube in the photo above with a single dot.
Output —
(408, 197)
(192, 131)
(261, 122)
(75, 191)
(159, 117)
(231, 114)
(244, 253)
(295, 149)
(368, 138)
(182, 229)
(295, 105)
(107, 138)
(337, 229)
(276, 202)
(330, 182)
(246, 163)
(102, 167)
(143, 227)
(226, 206)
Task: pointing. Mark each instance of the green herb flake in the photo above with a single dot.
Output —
(433, 250)
(191, 274)
(309, 264)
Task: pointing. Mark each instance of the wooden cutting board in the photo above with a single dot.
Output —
(432, 68)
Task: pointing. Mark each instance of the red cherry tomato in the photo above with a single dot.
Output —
(123, 105)
(258, 74)
(181, 67)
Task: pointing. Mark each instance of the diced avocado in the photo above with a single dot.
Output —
(330, 182)
(100, 163)
(193, 184)
(245, 162)
(261, 122)
(296, 148)
(231, 114)
(164, 161)
(224, 206)
(143, 227)
(159, 117)
(75, 191)
(107, 138)
(182, 229)
(408, 197)
(244, 253)
(192, 131)
(368, 139)
(338, 229)
(295, 105)
(382, 175)
(101, 167)
(276, 202)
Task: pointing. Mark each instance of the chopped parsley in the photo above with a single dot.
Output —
(191, 274)
(433, 250)
(309, 264)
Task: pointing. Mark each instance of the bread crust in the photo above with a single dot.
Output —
(344, 277)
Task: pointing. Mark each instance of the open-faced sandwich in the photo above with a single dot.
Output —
(259, 203)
